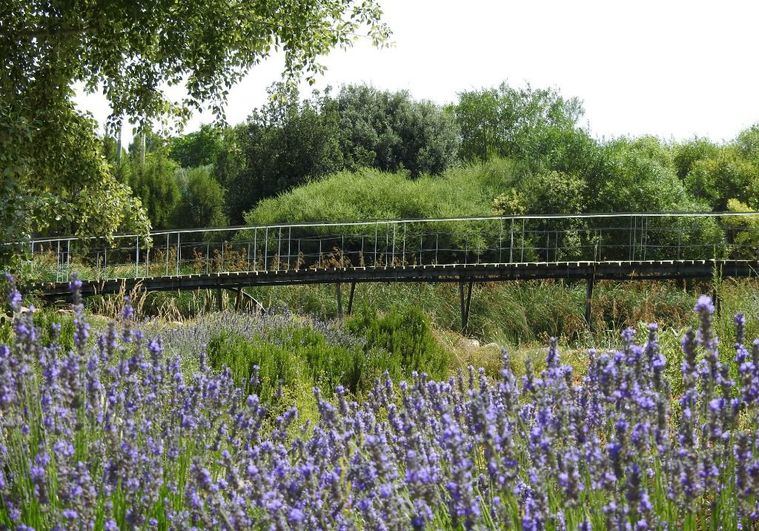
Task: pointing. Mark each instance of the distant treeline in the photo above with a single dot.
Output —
(550, 163)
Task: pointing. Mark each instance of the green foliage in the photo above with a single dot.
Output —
(549, 192)
(55, 178)
(50, 159)
(687, 154)
(405, 333)
(230, 160)
(284, 144)
(202, 200)
(641, 178)
(134, 52)
(743, 231)
(554, 192)
(747, 143)
(371, 194)
(289, 142)
(199, 148)
(391, 132)
(276, 364)
(727, 175)
(155, 183)
(299, 357)
(515, 123)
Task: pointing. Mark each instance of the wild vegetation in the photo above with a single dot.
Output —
(158, 411)
(114, 431)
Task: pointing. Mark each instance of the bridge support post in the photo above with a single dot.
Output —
(716, 288)
(238, 300)
(220, 298)
(465, 299)
(339, 294)
(350, 298)
(588, 299)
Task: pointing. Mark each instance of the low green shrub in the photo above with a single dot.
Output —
(298, 357)
(407, 335)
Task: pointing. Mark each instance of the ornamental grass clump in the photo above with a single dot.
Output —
(111, 434)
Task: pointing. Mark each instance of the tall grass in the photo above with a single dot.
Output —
(531, 312)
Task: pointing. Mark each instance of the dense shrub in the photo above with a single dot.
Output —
(371, 194)
(298, 357)
(390, 131)
(154, 182)
(513, 122)
(298, 353)
(199, 148)
(202, 200)
(406, 334)
(283, 144)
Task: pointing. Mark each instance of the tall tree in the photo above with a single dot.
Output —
(285, 143)
(199, 148)
(514, 123)
(391, 131)
(132, 50)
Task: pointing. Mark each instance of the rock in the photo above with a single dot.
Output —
(466, 343)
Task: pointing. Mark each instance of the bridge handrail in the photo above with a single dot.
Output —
(312, 224)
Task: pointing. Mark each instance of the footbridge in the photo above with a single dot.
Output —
(465, 250)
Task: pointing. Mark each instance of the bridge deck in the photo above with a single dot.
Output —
(483, 272)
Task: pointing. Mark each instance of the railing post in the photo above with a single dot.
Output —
(392, 260)
(511, 245)
(522, 257)
(289, 243)
(679, 238)
(255, 254)
(500, 240)
(179, 251)
(588, 298)
(168, 245)
(644, 236)
(376, 230)
(221, 265)
(68, 259)
(208, 258)
(634, 237)
(279, 249)
(266, 250)
(137, 257)
(403, 256)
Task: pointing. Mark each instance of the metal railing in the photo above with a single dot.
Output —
(393, 243)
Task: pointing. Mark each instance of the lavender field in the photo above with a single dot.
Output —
(114, 433)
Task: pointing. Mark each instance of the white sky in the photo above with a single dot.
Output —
(671, 68)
